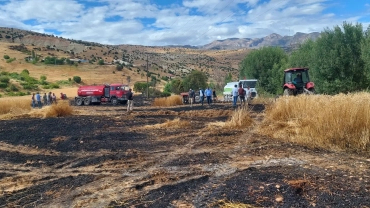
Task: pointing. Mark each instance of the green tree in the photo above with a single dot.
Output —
(263, 64)
(365, 52)
(140, 87)
(228, 78)
(195, 80)
(101, 62)
(177, 86)
(338, 66)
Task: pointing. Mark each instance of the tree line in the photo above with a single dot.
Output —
(339, 61)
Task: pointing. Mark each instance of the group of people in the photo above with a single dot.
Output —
(207, 93)
(241, 93)
(47, 99)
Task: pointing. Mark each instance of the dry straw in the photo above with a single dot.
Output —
(175, 123)
(173, 100)
(14, 106)
(239, 119)
(62, 108)
(340, 121)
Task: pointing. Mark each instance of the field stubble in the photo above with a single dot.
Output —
(174, 156)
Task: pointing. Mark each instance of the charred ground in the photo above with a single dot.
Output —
(115, 159)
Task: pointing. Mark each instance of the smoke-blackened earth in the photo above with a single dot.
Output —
(106, 157)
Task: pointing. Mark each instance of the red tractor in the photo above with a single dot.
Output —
(296, 81)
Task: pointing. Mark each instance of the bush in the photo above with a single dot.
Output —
(25, 71)
(13, 88)
(54, 86)
(3, 85)
(6, 57)
(10, 60)
(29, 86)
(77, 79)
(4, 79)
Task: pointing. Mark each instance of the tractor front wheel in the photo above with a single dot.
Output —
(288, 92)
(312, 91)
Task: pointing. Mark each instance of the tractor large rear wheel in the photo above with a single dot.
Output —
(288, 92)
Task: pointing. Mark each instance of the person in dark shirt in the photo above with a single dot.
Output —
(130, 100)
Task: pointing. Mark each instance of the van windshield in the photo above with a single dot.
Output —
(251, 84)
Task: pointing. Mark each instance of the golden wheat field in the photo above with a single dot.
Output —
(341, 121)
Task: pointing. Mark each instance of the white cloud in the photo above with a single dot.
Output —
(194, 22)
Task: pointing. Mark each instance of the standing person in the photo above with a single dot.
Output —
(242, 94)
(33, 100)
(208, 93)
(44, 98)
(201, 95)
(130, 100)
(248, 94)
(54, 98)
(50, 98)
(47, 99)
(191, 97)
(235, 95)
(214, 96)
(38, 99)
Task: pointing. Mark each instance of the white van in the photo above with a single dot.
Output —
(252, 85)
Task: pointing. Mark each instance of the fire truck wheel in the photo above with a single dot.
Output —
(78, 101)
(87, 101)
(114, 101)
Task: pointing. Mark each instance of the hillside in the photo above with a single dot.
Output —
(162, 61)
(216, 59)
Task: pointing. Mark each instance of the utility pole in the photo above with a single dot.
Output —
(147, 81)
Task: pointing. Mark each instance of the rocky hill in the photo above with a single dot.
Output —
(286, 42)
(216, 59)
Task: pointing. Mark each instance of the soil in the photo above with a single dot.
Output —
(106, 157)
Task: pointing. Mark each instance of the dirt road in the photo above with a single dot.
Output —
(104, 157)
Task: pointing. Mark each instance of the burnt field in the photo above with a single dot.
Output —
(168, 157)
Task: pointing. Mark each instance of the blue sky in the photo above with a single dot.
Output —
(178, 22)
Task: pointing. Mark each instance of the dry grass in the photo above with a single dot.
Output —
(173, 100)
(340, 121)
(15, 106)
(174, 124)
(62, 108)
(239, 119)
(226, 204)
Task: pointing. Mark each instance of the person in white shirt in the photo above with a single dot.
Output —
(235, 95)
(248, 94)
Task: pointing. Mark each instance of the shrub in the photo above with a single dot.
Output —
(42, 77)
(25, 71)
(4, 79)
(3, 85)
(6, 57)
(10, 60)
(54, 86)
(77, 79)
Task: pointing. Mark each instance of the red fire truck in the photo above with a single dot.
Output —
(97, 94)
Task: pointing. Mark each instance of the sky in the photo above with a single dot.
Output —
(178, 22)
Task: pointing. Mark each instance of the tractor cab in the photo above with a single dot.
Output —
(297, 81)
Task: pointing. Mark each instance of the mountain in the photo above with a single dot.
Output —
(286, 42)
